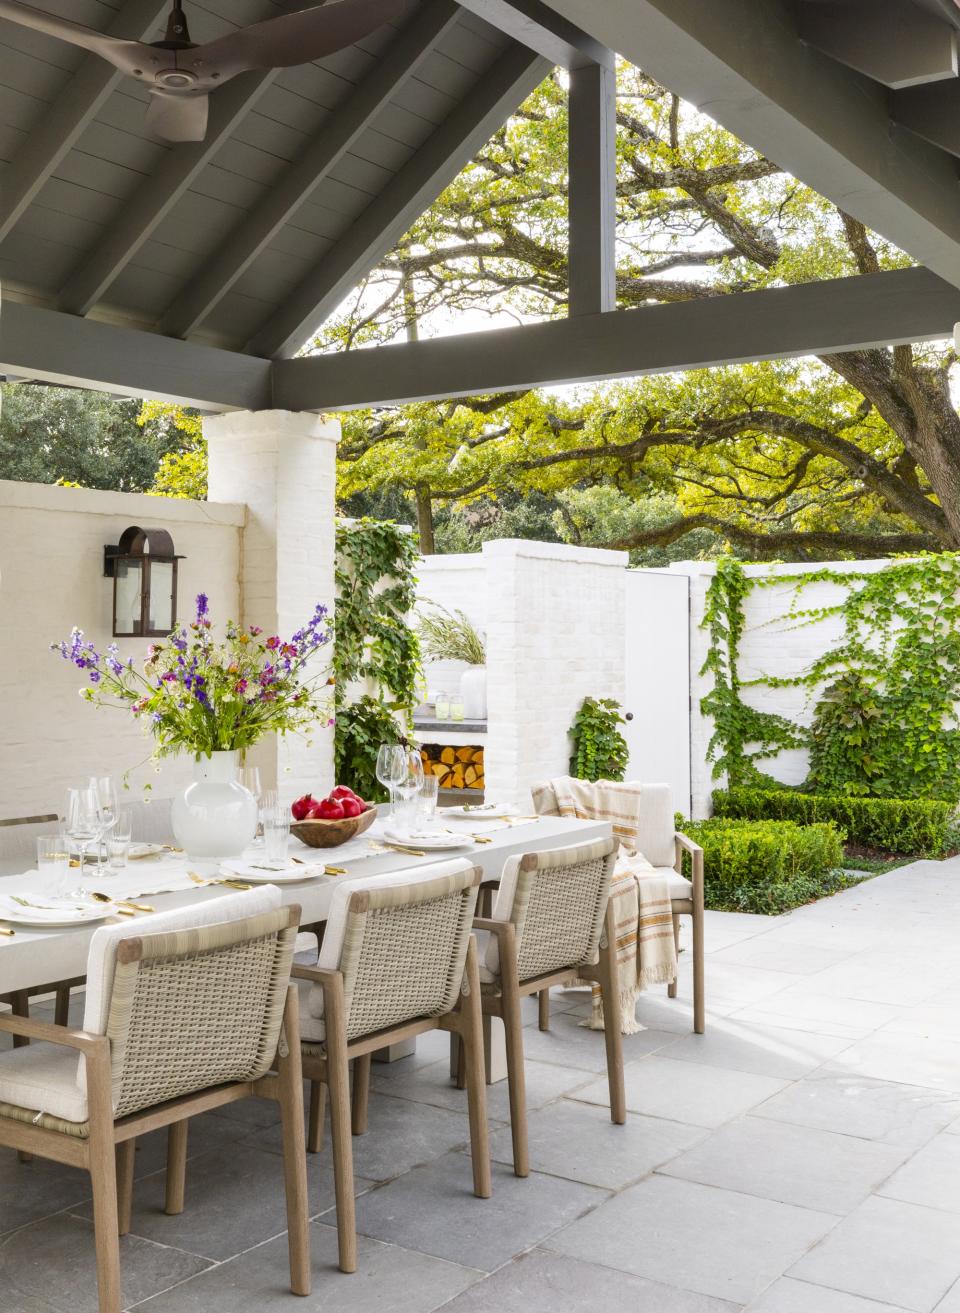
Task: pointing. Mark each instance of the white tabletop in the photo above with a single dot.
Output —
(37, 956)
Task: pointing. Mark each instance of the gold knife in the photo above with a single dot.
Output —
(5, 931)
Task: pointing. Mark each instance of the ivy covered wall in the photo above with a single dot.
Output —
(860, 681)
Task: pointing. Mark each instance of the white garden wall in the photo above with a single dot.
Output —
(456, 582)
(51, 577)
(772, 644)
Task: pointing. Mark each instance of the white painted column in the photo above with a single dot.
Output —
(282, 465)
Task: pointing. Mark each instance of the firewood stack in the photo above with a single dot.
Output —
(455, 768)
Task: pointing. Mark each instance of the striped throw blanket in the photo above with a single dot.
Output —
(646, 952)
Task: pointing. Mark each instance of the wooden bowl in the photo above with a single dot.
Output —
(331, 834)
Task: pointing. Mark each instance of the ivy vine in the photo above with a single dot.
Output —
(885, 720)
(376, 659)
(599, 749)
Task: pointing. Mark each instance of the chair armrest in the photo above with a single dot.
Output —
(81, 1040)
(498, 928)
(685, 844)
(319, 975)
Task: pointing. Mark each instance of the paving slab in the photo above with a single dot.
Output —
(789, 1296)
(714, 1242)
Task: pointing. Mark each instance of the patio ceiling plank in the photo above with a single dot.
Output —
(153, 201)
(255, 232)
(515, 74)
(592, 203)
(36, 343)
(77, 105)
(744, 64)
(845, 314)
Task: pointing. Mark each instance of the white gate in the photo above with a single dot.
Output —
(657, 667)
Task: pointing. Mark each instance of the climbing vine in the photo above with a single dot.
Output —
(599, 749)
(885, 719)
(376, 660)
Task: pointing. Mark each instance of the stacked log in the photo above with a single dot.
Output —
(455, 768)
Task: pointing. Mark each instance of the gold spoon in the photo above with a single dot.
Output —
(5, 931)
(230, 884)
(120, 902)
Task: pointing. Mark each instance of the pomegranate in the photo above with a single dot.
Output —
(301, 808)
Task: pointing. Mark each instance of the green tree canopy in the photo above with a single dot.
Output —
(855, 453)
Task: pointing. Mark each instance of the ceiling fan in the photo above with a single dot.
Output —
(180, 74)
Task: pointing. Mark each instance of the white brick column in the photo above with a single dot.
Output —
(282, 465)
(555, 635)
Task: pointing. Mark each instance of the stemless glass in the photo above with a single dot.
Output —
(429, 789)
(53, 861)
(276, 834)
(83, 821)
(118, 842)
(390, 768)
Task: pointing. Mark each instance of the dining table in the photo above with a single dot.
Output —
(34, 956)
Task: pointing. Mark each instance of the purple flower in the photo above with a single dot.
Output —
(203, 605)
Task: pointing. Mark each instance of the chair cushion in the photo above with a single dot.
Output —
(313, 1030)
(678, 886)
(43, 1077)
(336, 927)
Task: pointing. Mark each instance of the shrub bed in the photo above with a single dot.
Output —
(766, 866)
(899, 825)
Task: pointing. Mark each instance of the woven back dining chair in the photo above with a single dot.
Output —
(552, 924)
(397, 959)
(652, 831)
(184, 1013)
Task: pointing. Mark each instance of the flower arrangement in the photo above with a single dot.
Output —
(198, 695)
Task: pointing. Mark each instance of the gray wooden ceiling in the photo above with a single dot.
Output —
(249, 239)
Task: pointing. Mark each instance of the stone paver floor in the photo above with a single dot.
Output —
(801, 1157)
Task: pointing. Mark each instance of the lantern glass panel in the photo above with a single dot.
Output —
(160, 618)
(128, 597)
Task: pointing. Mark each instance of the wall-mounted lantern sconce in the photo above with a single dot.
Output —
(143, 567)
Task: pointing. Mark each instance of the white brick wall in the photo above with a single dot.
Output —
(51, 578)
(457, 582)
(283, 466)
(555, 634)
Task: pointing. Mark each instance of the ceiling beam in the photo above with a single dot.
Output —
(535, 24)
(77, 105)
(498, 93)
(592, 201)
(65, 349)
(890, 41)
(744, 64)
(932, 112)
(845, 314)
(140, 216)
(281, 201)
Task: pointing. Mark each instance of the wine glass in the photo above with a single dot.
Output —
(106, 793)
(83, 821)
(390, 768)
(250, 779)
(408, 787)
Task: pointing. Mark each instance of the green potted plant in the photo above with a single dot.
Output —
(452, 636)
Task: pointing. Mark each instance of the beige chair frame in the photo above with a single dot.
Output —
(692, 907)
(107, 1153)
(505, 1004)
(347, 1118)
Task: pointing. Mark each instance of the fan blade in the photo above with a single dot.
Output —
(124, 55)
(297, 38)
(178, 118)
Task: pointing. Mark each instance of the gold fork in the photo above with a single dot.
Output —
(230, 884)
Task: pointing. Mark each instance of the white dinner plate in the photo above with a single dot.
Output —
(482, 811)
(51, 911)
(264, 873)
(428, 840)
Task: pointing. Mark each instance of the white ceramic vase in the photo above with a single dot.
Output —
(215, 816)
(473, 692)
